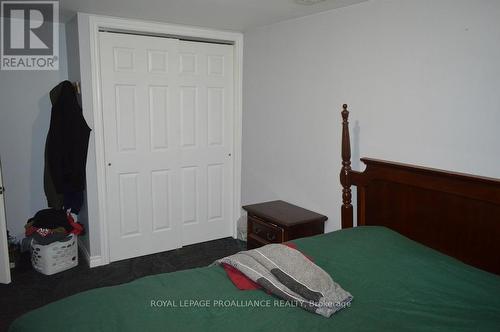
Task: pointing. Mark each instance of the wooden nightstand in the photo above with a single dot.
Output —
(279, 221)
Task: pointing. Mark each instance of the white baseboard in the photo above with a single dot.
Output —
(92, 261)
(95, 261)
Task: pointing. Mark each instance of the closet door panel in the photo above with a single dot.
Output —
(208, 70)
(140, 116)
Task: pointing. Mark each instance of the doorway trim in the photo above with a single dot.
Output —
(5, 277)
(96, 23)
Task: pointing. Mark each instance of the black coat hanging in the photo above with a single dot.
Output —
(67, 141)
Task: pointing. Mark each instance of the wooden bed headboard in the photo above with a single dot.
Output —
(456, 214)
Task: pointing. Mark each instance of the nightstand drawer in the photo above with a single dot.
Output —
(253, 241)
(265, 231)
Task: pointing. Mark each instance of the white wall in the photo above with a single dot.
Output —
(422, 78)
(24, 121)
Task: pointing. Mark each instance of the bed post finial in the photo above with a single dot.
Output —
(345, 172)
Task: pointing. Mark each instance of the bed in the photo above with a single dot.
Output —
(424, 256)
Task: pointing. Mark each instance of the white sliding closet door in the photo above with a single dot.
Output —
(206, 140)
(167, 114)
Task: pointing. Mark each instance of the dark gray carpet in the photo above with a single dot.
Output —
(30, 290)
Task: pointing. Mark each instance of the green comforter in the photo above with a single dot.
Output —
(397, 285)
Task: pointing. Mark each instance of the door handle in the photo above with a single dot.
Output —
(2, 190)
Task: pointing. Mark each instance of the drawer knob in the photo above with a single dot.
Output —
(271, 236)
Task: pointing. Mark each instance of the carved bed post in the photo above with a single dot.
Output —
(345, 172)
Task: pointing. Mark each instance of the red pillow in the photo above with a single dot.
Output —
(239, 279)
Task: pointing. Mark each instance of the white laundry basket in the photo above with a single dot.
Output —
(55, 257)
